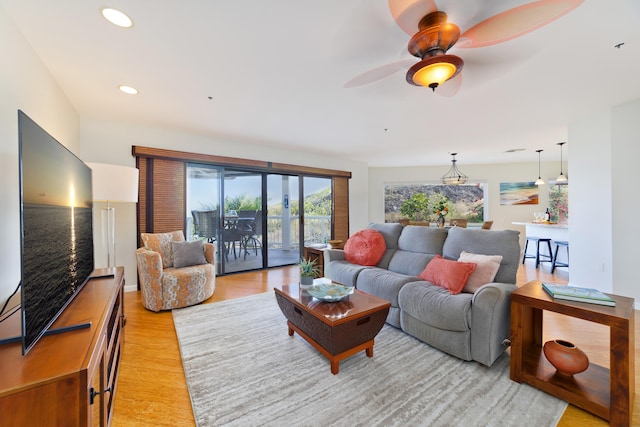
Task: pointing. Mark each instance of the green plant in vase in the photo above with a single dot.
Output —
(308, 271)
(441, 209)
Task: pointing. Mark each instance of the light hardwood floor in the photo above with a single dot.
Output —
(152, 389)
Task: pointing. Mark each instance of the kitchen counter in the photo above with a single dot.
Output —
(554, 232)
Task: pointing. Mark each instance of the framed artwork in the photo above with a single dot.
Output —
(518, 193)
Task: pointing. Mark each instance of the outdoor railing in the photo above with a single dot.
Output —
(317, 230)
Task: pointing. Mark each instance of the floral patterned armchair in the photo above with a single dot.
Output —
(174, 273)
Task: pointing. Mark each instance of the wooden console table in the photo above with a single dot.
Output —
(67, 379)
(316, 254)
(607, 393)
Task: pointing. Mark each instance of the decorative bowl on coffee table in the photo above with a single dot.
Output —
(330, 292)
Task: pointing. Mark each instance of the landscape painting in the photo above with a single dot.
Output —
(518, 193)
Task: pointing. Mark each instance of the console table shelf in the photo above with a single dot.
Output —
(607, 393)
(585, 390)
(69, 378)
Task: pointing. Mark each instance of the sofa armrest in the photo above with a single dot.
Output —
(333, 255)
(210, 253)
(490, 321)
(150, 274)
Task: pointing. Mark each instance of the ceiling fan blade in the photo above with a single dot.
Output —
(450, 87)
(407, 13)
(515, 22)
(378, 73)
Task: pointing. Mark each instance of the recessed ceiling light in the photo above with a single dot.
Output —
(116, 17)
(128, 89)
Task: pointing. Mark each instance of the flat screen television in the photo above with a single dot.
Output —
(56, 223)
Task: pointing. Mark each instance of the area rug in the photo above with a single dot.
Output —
(243, 369)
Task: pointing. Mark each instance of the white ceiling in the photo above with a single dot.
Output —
(275, 71)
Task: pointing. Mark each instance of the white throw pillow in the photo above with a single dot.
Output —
(484, 273)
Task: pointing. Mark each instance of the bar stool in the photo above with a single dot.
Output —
(548, 257)
(555, 256)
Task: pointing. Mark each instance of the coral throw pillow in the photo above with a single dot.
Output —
(365, 247)
(448, 274)
(485, 272)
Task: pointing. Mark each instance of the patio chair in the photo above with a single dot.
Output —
(205, 224)
(254, 234)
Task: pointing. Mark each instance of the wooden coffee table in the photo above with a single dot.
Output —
(336, 329)
(607, 393)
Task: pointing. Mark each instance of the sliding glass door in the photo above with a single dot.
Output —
(317, 208)
(204, 189)
(256, 219)
(242, 221)
(283, 220)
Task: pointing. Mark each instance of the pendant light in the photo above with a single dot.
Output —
(561, 179)
(454, 176)
(539, 181)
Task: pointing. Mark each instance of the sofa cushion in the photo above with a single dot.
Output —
(410, 263)
(435, 306)
(344, 272)
(391, 232)
(186, 254)
(383, 283)
(161, 243)
(448, 274)
(417, 246)
(365, 247)
(485, 272)
(487, 242)
(425, 240)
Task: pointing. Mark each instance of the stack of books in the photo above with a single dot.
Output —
(576, 293)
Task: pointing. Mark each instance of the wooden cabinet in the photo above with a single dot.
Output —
(67, 379)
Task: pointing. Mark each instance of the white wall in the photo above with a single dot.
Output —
(109, 142)
(590, 200)
(625, 202)
(492, 174)
(25, 84)
(604, 177)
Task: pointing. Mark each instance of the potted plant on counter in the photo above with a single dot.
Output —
(308, 272)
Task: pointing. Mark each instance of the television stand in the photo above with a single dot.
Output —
(49, 332)
(101, 273)
(71, 378)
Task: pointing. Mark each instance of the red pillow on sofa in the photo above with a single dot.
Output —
(365, 247)
(451, 275)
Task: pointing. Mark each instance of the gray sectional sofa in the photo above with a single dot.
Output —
(468, 326)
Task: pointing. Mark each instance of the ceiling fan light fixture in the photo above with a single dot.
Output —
(454, 176)
(433, 71)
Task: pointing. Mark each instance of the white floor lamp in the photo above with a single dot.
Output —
(113, 183)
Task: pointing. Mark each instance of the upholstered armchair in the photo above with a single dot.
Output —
(174, 273)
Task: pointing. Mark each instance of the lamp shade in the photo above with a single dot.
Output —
(114, 183)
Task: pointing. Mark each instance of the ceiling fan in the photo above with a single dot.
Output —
(432, 36)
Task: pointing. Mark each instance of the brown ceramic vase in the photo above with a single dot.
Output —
(565, 357)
